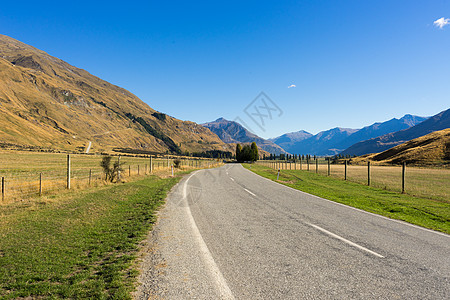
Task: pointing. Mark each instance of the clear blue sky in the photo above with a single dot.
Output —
(352, 62)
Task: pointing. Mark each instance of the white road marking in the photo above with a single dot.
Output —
(231, 178)
(345, 240)
(249, 192)
(354, 208)
(216, 275)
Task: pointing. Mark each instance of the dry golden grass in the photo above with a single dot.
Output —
(22, 169)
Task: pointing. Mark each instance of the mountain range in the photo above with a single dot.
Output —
(233, 132)
(437, 122)
(45, 102)
(336, 140)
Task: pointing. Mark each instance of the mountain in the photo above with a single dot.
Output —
(433, 148)
(232, 132)
(48, 103)
(438, 122)
(286, 141)
(323, 143)
(335, 140)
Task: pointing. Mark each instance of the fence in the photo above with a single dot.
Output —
(429, 183)
(30, 174)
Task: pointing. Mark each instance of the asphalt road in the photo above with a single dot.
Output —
(227, 233)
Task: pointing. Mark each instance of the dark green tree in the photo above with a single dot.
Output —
(254, 152)
(238, 152)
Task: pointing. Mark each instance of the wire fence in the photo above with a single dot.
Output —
(431, 183)
(32, 174)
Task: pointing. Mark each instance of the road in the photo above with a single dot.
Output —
(228, 233)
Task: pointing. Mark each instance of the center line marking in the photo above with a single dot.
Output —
(249, 192)
(345, 240)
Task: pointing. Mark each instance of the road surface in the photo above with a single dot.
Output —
(228, 233)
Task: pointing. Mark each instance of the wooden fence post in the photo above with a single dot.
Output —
(151, 164)
(317, 165)
(307, 162)
(118, 171)
(328, 167)
(138, 169)
(368, 173)
(403, 177)
(40, 184)
(345, 169)
(68, 171)
(3, 188)
(90, 176)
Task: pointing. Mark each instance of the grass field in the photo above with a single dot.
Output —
(426, 212)
(22, 169)
(78, 244)
(432, 183)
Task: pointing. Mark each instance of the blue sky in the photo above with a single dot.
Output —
(353, 63)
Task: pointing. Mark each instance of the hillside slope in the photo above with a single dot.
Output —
(233, 132)
(437, 122)
(46, 102)
(433, 148)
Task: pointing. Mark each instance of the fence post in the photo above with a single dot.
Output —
(403, 177)
(317, 165)
(301, 168)
(68, 171)
(328, 167)
(90, 176)
(129, 170)
(118, 171)
(138, 169)
(368, 173)
(151, 164)
(307, 162)
(3, 188)
(40, 184)
(345, 170)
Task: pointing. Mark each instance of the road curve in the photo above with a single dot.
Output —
(228, 233)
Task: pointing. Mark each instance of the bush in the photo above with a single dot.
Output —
(177, 163)
(111, 173)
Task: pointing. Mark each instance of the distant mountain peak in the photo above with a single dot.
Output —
(233, 132)
(335, 140)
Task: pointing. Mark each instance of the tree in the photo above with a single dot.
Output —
(238, 152)
(254, 152)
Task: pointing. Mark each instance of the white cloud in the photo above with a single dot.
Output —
(292, 86)
(441, 22)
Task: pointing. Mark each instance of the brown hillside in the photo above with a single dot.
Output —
(433, 148)
(46, 102)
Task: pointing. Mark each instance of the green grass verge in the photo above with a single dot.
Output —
(78, 245)
(432, 214)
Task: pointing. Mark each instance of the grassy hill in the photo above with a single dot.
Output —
(433, 148)
(48, 103)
